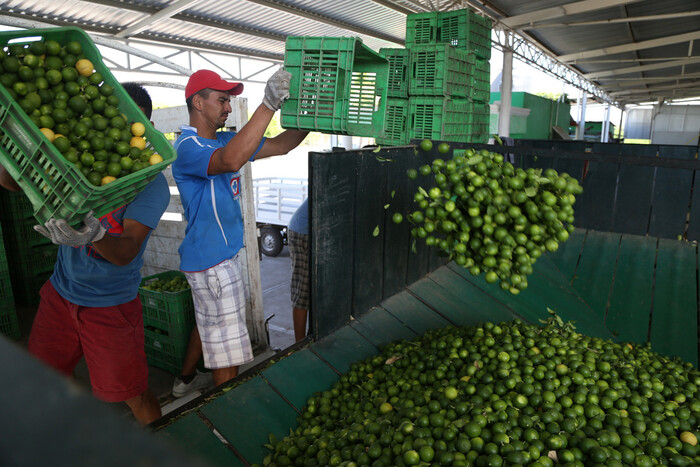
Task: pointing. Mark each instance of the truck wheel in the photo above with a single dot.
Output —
(271, 241)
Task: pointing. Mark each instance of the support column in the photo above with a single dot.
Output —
(581, 129)
(506, 92)
(605, 129)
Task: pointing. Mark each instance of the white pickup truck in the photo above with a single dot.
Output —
(276, 200)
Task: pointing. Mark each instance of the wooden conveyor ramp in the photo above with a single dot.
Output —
(619, 286)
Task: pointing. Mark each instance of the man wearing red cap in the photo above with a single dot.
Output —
(206, 173)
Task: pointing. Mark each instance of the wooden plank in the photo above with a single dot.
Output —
(370, 215)
(633, 202)
(693, 233)
(381, 327)
(193, 436)
(447, 304)
(413, 313)
(670, 151)
(480, 305)
(299, 375)
(567, 256)
(596, 268)
(674, 321)
(247, 414)
(630, 301)
(594, 208)
(343, 347)
(670, 203)
(332, 194)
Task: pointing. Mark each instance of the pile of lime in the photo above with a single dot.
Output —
(489, 216)
(506, 394)
(176, 284)
(59, 89)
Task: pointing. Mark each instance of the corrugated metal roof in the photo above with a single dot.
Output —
(591, 42)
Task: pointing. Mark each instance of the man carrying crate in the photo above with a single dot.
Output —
(206, 172)
(90, 305)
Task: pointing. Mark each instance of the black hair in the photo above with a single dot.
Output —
(140, 96)
(204, 93)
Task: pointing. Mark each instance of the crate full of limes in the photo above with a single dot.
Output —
(168, 319)
(70, 134)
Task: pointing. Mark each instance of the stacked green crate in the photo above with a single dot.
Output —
(30, 256)
(9, 325)
(396, 117)
(449, 63)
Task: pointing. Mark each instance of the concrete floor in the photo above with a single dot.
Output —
(275, 278)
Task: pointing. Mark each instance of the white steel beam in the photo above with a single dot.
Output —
(639, 69)
(602, 22)
(165, 13)
(584, 6)
(632, 46)
(654, 89)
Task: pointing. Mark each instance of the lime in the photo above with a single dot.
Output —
(72, 88)
(11, 64)
(95, 178)
(443, 148)
(69, 74)
(127, 163)
(69, 60)
(91, 92)
(25, 73)
(114, 169)
(119, 122)
(32, 61)
(87, 159)
(122, 147)
(85, 67)
(426, 145)
(74, 48)
(47, 121)
(96, 78)
(99, 166)
(52, 47)
(107, 90)
(397, 218)
(138, 142)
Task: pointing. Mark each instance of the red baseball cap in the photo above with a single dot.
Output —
(207, 79)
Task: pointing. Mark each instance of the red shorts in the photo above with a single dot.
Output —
(111, 338)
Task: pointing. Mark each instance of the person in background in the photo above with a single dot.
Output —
(298, 241)
(90, 306)
(206, 173)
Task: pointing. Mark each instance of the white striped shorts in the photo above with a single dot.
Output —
(219, 295)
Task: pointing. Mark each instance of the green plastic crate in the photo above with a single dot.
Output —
(9, 325)
(164, 351)
(172, 313)
(397, 84)
(5, 285)
(395, 123)
(26, 289)
(32, 262)
(20, 234)
(15, 205)
(55, 187)
(481, 81)
(439, 118)
(338, 86)
(421, 28)
(440, 70)
(479, 115)
(465, 29)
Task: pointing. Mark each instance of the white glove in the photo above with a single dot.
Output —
(61, 233)
(277, 89)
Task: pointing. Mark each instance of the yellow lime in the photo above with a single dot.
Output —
(688, 437)
(48, 132)
(138, 129)
(107, 179)
(137, 142)
(84, 67)
(155, 159)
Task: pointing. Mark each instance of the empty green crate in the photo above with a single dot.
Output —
(439, 118)
(164, 351)
(481, 81)
(55, 187)
(338, 86)
(15, 205)
(172, 313)
(465, 29)
(26, 289)
(395, 123)
(397, 84)
(421, 28)
(440, 70)
(5, 285)
(31, 262)
(479, 114)
(9, 325)
(20, 234)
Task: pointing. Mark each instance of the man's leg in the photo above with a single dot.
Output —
(190, 380)
(145, 407)
(221, 375)
(299, 319)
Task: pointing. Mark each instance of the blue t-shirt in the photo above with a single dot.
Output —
(83, 277)
(214, 230)
(300, 220)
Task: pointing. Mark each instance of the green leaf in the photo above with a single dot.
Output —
(423, 192)
(498, 140)
(531, 191)
(383, 159)
(379, 148)
(393, 192)
(475, 159)
(376, 231)
(386, 206)
(543, 180)
(413, 247)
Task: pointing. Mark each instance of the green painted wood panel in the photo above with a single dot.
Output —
(370, 215)
(300, 375)
(670, 204)
(413, 313)
(381, 327)
(479, 305)
(594, 207)
(192, 435)
(630, 301)
(447, 304)
(332, 195)
(596, 268)
(633, 202)
(674, 321)
(247, 414)
(567, 256)
(343, 347)
(677, 152)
